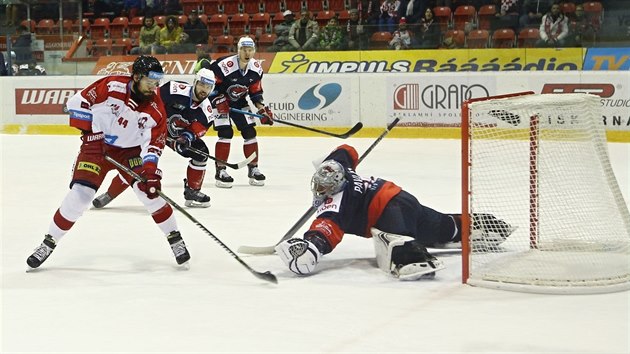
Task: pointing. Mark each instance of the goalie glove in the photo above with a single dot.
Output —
(299, 255)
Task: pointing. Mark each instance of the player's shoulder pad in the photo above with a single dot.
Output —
(228, 65)
(255, 65)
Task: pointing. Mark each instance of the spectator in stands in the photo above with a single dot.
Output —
(12, 13)
(172, 7)
(172, 36)
(196, 30)
(304, 34)
(131, 8)
(369, 14)
(356, 33)
(429, 32)
(282, 33)
(22, 46)
(331, 36)
(149, 37)
(96, 8)
(402, 37)
(389, 15)
(507, 16)
(580, 28)
(153, 7)
(532, 13)
(412, 10)
(554, 29)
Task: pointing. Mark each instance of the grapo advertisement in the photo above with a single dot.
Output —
(435, 99)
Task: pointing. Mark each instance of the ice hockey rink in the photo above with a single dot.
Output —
(112, 285)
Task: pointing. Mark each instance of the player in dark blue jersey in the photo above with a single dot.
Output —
(238, 77)
(190, 115)
(402, 228)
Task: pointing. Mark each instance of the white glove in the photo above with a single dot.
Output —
(299, 255)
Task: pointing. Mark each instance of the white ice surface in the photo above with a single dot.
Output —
(112, 286)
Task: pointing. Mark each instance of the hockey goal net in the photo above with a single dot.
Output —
(539, 163)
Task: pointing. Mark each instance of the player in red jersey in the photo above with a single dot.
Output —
(401, 227)
(123, 118)
(239, 76)
(190, 115)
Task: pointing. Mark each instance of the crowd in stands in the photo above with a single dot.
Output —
(188, 26)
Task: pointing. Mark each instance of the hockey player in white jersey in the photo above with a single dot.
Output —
(121, 117)
(190, 114)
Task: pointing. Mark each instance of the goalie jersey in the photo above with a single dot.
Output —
(177, 98)
(357, 207)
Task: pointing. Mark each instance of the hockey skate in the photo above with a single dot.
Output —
(102, 200)
(255, 177)
(178, 247)
(194, 197)
(488, 233)
(223, 179)
(412, 261)
(41, 253)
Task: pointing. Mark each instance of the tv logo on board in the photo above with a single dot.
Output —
(319, 97)
(601, 90)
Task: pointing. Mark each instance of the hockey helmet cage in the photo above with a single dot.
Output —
(206, 77)
(148, 66)
(246, 42)
(329, 179)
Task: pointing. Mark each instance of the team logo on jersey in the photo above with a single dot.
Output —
(235, 92)
(319, 96)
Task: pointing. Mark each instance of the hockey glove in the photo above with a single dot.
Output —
(222, 106)
(267, 115)
(152, 177)
(299, 255)
(184, 141)
(92, 143)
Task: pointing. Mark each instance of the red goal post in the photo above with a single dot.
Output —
(540, 163)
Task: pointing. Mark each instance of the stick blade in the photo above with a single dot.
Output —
(352, 131)
(243, 163)
(257, 250)
(268, 276)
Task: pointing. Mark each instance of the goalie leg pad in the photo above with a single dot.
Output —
(403, 258)
(301, 256)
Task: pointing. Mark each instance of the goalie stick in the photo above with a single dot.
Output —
(312, 209)
(268, 276)
(235, 166)
(345, 135)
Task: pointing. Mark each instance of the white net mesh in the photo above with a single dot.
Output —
(540, 163)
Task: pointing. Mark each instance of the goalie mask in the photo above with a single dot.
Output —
(329, 179)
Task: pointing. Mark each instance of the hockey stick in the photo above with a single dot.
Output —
(312, 209)
(345, 135)
(268, 276)
(235, 166)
